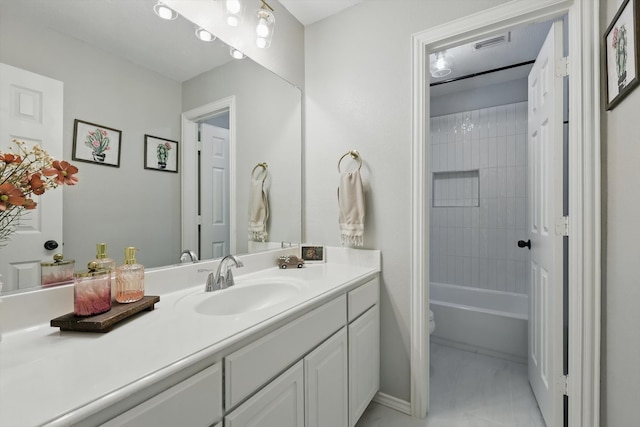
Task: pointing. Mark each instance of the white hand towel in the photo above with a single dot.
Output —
(258, 211)
(351, 202)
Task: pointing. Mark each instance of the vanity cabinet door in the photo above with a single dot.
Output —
(364, 362)
(196, 401)
(326, 381)
(279, 404)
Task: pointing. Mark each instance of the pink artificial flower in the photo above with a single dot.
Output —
(64, 172)
(104, 133)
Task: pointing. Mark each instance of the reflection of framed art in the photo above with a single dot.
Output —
(621, 53)
(94, 143)
(160, 154)
(312, 253)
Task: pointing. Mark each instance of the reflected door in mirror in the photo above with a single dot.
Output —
(31, 111)
(214, 191)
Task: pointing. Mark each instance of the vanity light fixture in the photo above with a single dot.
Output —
(236, 54)
(164, 11)
(266, 24)
(441, 64)
(204, 35)
(233, 10)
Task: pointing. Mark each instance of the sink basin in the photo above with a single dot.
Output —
(244, 297)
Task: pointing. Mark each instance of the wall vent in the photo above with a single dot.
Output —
(493, 41)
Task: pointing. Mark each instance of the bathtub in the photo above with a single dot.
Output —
(480, 320)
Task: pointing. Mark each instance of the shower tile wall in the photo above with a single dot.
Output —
(477, 246)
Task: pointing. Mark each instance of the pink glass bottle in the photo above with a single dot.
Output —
(129, 278)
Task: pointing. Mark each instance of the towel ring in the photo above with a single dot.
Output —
(354, 155)
(264, 167)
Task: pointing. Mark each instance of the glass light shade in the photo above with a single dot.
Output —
(441, 64)
(165, 12)
(236, 54)
(204, 35)
(233, 10)
(264, 28)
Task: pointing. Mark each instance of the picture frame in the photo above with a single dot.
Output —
(97, 144)
(312, 253)
(160, 154)
(621, 54)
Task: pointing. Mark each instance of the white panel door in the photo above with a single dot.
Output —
(31, 111)
(279, 404)
(545, 211)
(214, 192)
(326, 383)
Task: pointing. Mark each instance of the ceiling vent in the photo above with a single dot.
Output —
(493, 41)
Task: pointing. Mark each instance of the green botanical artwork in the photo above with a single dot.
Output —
(163, 154)
(619, 43)
(98, 141)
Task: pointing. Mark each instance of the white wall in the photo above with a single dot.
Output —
(358, 96)
(620, 384)
(108, 203)
(268, 130)
(475, 245)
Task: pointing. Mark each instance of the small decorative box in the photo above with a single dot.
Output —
(58, 272)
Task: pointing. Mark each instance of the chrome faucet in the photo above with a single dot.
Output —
(223, 277)
(188, 255)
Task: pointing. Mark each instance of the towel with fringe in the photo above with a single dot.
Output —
(351, 202)
(258, 211)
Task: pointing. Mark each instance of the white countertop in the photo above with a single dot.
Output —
(49, 377)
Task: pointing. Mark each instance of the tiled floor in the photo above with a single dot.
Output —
(468, 390)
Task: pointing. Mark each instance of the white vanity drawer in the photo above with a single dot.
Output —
(249, 368)
(199, 397)
(363, 298)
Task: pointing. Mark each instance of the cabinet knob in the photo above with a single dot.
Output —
(523, 244)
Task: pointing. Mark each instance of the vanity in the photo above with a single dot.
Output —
(295, 347)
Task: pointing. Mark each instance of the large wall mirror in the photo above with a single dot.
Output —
(123, 67)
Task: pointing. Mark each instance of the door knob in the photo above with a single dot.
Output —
(50, 245)
(523, 244)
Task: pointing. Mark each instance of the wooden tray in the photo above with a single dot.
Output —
(104, 322)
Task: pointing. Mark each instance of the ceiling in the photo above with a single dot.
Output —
(310, 11)
(171, 49)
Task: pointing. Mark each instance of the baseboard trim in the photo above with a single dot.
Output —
(393, 403)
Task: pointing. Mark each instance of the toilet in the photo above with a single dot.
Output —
(432, 322)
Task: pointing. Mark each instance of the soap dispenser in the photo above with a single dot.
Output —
(129, 278)
(105, 263)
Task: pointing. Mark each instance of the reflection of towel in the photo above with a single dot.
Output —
(351, 202)
(258, 211)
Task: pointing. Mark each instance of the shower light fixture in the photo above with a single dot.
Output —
(164, 11)
(236, 54)
(441, 64)
(266, 24)
(204, 35)
(233, 10)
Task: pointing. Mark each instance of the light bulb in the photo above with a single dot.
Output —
(204, 35)
(165, 12)
(233, 6)
(236, 54)
(233, 21)
(261, 42)
(440, 64)
(262, 30)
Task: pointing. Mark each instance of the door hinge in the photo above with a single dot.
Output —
(562, 226)
(565, 385)
(562, 67)
(199, 220)
(199, 146)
